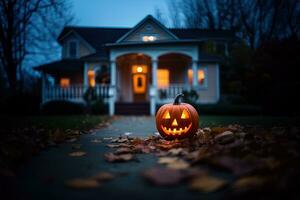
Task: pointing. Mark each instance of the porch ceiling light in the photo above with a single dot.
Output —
(139, 69)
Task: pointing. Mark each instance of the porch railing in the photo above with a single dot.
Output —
(165, 94)
(73, 92)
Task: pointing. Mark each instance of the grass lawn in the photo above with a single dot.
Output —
(82, 122)
(219, 120)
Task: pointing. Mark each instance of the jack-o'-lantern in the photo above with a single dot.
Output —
(177, 120)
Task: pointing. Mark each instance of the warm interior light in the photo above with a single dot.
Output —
(64, 82)
(91, 78)
(201, 76)
(139, 83)
(163, 78)
(139, 69)
(149, 38)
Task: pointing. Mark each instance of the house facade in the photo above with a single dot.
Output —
(135, 69)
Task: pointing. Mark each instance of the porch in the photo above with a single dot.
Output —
(151, 75)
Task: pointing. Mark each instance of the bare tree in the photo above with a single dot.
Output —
(28, 27)
(256, 21)
(160, 16)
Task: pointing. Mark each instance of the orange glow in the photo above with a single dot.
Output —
(139, 69)
(174, 123)
(163, 80)
(149, 38)
(64, 82)
(139, 83)
(201, 76)
(91, 78)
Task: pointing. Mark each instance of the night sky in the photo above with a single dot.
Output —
(115, 13)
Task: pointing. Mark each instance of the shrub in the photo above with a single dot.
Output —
(98, 107)
(63, 108)
(95, 104)
(20, 103)
(227, 109)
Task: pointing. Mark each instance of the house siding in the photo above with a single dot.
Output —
(83, 49)
(156, 31)
(210, 93)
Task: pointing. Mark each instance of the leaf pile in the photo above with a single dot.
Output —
(257, 159)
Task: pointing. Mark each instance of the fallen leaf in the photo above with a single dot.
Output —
(123, 150)
(225, 137)
(207, 183)
(174, 162)
(58, 136)
(163, 176)
(96, 141)
(110, 157)
(72, 140)
(167, 160)
(76, 146)
(176, 152)
(235, 165)
(141, 149)
(82, 183)
(249, 182)
(103, 176)
(77, 154)
(179, 164)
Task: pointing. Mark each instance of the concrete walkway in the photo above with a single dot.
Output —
(44, 176)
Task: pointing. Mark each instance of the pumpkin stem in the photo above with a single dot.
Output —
(176, 101)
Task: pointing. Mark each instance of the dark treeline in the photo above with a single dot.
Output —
(262, 68)
(28, 31)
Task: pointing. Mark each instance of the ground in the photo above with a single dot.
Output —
(50, 174)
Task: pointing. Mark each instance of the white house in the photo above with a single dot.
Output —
(135, 69)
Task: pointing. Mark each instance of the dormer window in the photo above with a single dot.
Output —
(149, 38)
(73, 49)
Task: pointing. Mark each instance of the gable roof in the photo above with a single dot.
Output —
(98, 37)
(145, 20)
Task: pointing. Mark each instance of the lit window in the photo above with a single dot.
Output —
(149, 38)
(91, 78)
(201, 77)
(64, 82)
(163, 78)
(73, 49)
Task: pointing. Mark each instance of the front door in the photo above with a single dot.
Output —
(139, 82)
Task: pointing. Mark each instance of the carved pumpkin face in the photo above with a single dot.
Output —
(178, 120)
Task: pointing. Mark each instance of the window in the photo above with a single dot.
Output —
(163, 78)
(64, 82)
(91, 78)
(149, 38)
(202, 77)
(73, 49)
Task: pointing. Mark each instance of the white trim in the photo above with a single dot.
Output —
(143, 21)
(85, 78)
(218, 82)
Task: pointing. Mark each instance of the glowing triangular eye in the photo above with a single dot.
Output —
(167, 115)
(185, 115)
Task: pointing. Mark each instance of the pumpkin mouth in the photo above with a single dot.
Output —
(176, 131)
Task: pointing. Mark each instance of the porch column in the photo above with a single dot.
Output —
(153, 89)
(112, 88)
(85, 78)
(195, 73)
